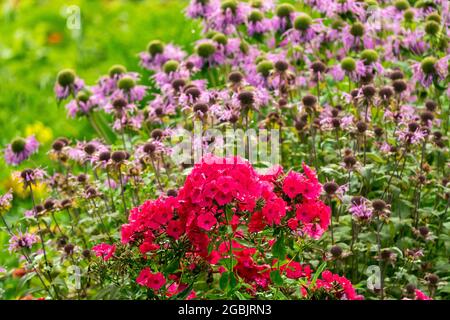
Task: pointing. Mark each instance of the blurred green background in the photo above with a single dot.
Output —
(35, 43)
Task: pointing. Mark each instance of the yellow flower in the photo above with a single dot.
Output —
(42, 133)
(14, 182)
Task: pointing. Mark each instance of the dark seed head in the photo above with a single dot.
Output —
(437, 135)
(368, 91)
(424, 231)
(378, 205)
(309, 100)
(386, 93)
(357, 200)
(386, 254)
(68, 248)
(86, 253)
(39, 208)
(361, 126)
(149, 148)
(235, 77)
(201, 107)
(431, 105)
(58, 145)
(246, 98)
(157, 134)
(318, 66)
(233, 118)
(119, 103)
(432, 27)
(82, 178)
(433, 279)
(300, 124)
(401, 5)
(426, 116)
(172, 193)
(255, 16)
(410, 288)
(193, 93)
(18, 145)
(118, 156)
(336, 251)
(378, 131)
(396, 75)
(281, 66)
(104, 156)
(413, 126)
(349, 161)
(90, 148)
(49, 204)
(399, 86)
(330, 188)
(61, 241)
(66, 203)
(336, 122)
(177, 84)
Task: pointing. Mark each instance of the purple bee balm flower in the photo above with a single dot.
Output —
(154, 62)
(201, 9)
(409, 137)
(31, 176)
(20, 149)
(30, 214)
(412, 41)
(226, 19)
(22, 241)
(259, 27)
(62, 92)
(361, 209)
(337, 72)
(430, 69)
(78, 107)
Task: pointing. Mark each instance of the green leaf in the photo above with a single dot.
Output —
(318, 273)
(276, 278)
(279, 248)
(223, 282)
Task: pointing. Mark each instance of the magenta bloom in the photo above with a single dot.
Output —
(20, 149)
(151, 280)
(104, 250)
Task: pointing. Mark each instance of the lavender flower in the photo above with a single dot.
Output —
(20, 149)
(22, 241)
